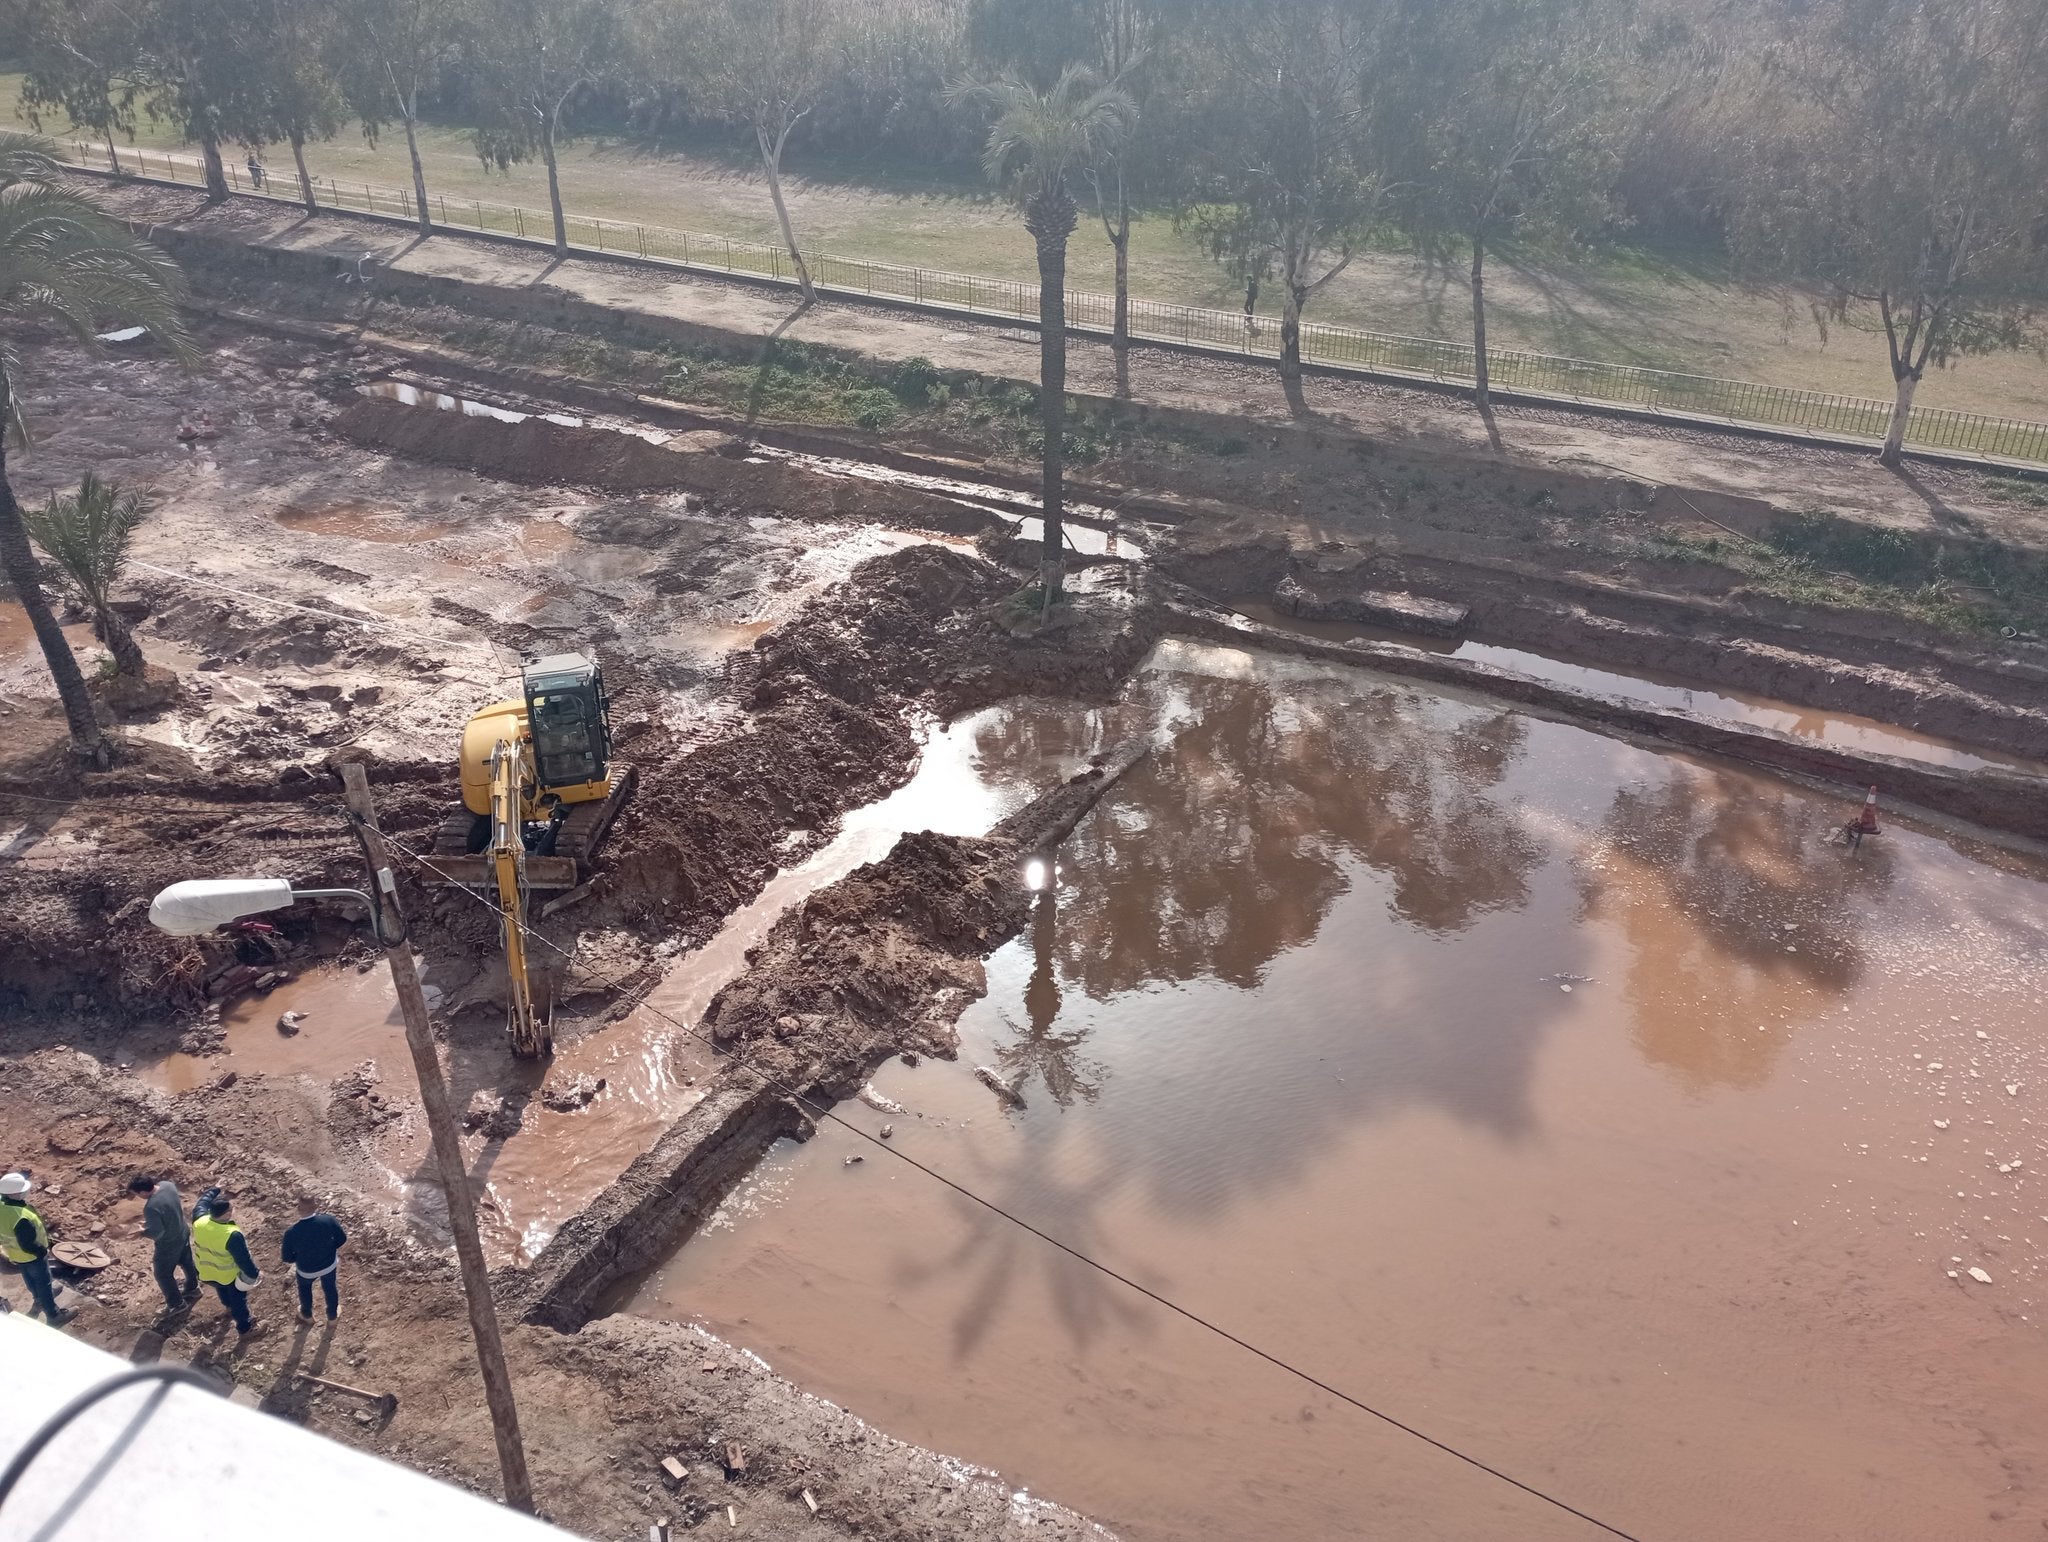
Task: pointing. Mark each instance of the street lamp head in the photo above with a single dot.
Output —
(198, 905)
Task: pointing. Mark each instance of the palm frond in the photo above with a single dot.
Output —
(88, 534)
(27, 158)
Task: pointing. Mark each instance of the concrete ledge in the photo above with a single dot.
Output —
(655, 1204)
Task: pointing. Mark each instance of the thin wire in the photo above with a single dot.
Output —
(822, 1112)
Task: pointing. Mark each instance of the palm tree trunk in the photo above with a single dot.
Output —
(18, 562)
(1051, 219)
(113, 630)
(216, 169)
(1479, 376)
(305, 177)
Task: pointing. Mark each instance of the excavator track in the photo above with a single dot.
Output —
(586, 825)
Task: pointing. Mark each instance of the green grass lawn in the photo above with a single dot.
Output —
(1622, 305)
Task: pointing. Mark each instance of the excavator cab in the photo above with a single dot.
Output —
(570, 721)
(540, 761)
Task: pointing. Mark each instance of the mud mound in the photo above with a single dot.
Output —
(831, 697)
(533, 450)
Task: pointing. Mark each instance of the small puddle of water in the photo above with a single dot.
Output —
(1654, 688)
(350, 1017)
(17, 637)
(1523, 1082)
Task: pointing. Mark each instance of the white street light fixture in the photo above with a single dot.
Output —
(198, 905)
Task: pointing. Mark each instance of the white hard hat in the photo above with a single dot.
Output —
(14, 1183)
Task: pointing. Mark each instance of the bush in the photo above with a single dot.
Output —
(915, 379)
(872, 409)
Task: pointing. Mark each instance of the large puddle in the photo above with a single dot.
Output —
(1587, 1107)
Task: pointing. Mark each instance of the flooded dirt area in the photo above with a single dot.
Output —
(1595, 1110)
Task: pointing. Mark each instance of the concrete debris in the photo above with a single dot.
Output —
(855, 1159)
(888, 1130)
(576, 1095)
(1979, 1275)
(288, 1022)
(2012, 1089)
(675, 1469)
(989, 1078)
(1941, 1124)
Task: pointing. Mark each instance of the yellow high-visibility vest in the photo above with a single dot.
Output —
(11, 1212)
(217, 1265)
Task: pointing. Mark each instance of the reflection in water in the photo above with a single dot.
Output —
(1040, 1052)
(1731, 893)
(1228, 847)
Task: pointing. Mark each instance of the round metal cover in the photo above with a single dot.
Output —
(86, 1256)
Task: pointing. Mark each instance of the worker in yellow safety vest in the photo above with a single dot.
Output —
(222, 1253)
(26, 1242)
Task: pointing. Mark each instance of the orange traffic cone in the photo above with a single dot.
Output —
(1866, 822)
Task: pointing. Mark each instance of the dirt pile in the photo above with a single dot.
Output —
(534, 450)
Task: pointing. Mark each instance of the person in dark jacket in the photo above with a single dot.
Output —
(312, 1246)
(163, 1222)
(222, 1253)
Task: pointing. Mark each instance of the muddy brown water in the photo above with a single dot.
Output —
(1585, 1106)
(1655, 688)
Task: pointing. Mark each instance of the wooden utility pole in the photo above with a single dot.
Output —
(426, 1064)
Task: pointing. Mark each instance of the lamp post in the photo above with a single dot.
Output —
(199, 905)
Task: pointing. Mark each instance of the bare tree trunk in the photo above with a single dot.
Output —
(419, 173)
(547, 150)
(1120, 329)
(113, 155)
(771, 165)
(18, 562)
(1902, 412)
(1051, 219)
(305, 177)
(216, 169)
(1479, 375)
(1290, 347)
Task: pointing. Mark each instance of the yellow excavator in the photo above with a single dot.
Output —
(539, 794)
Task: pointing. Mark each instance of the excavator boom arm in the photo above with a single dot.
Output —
(510, 776)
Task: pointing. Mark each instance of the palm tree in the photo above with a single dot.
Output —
(87, 534)
(1037, 143)
(68, 267)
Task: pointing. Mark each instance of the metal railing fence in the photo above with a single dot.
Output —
(1322, 343)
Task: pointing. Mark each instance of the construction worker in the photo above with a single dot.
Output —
(224, 1262)
(312, 1246)
(26, 1242)
(164, 1223)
